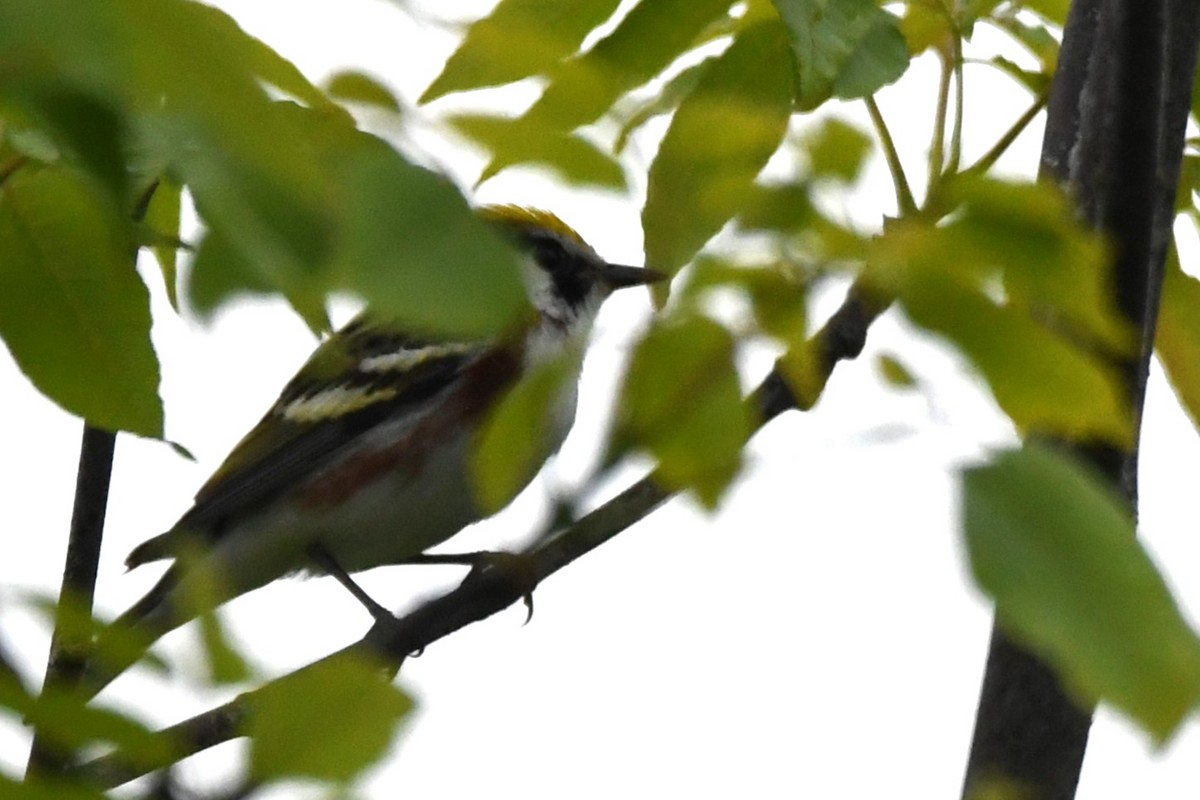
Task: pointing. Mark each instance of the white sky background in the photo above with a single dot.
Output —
(816, 637)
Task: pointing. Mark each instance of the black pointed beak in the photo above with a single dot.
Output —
(619, 277)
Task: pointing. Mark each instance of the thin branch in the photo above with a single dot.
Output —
(1114, 133)
(937, 147)
(904, 196)
(959, 93)
(65, 664)
(988, 159)
(491, 589)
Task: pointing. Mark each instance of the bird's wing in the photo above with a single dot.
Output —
(351, 382)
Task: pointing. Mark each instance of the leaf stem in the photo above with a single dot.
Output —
(904, 197)
(988, 159)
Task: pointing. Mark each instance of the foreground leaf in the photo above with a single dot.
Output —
(73, 311)
(329, 721)
(1177, 340)
(1057, 552)
(699, 181)
(515, 439)
(518, 39)
(844, 48)
(682, 401)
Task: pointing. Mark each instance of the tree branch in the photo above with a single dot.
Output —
(1114, 135)
(489, 590)
(65, 664)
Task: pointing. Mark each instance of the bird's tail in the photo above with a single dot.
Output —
(123, 643)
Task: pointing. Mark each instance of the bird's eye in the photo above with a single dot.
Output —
(550, 255)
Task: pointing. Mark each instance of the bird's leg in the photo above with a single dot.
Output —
(328, 564)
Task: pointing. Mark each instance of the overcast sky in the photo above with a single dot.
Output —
(820, 622)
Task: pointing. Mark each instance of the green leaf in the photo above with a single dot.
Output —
(683, 402)
(222, 660)
(1051, 263)
(1057, 551)
(417, 252)
(329, 721)
(162, 217)
(699, 181)
(1189, 182)
(573, 158)
(516, 438)
(1037, 82)
(35, 788)
(1051, 10)
(73, 311)
(777, 297)
(1046, 383)
(1036, 38)
(1016, 282)
(844, 48)
(926, 24)
(69, 723)
(895, 373)
(779, 207)
(837, 150)
(518, 39)
(645, 42)
(1177, 340)
(359, 87)
(662, 102)
(398, 235)
(220, 272)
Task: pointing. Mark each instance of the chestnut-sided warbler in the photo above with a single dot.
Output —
(364, 457)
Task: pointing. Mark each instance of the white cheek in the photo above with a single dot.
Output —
(537, 283)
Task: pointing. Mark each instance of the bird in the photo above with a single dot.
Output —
(363, 459)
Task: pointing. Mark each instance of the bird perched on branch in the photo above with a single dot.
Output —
(363, 460)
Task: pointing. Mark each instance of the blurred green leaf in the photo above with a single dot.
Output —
(1177, 340)
(518, 39)
(1189, 182)
(1057, 551)
(844, 48)
(699, 181)
(413, 247)
(35, 788)
(573, 158)
(683, 402)
(776, 296)
(895, 373)
(1052, 10)
(516, 437)
(73, 311)
(1045, 383)
(926, 24)
(837, 150)
(645, 42)
(399, 236)
(162, 217)
(1052, 264)
(69, 724)
(359, 87)
(662, 102)
(329, 721)
(781, 207)
(222, 660)
(1038, 83)
(1015, 281)
(1035, 37)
